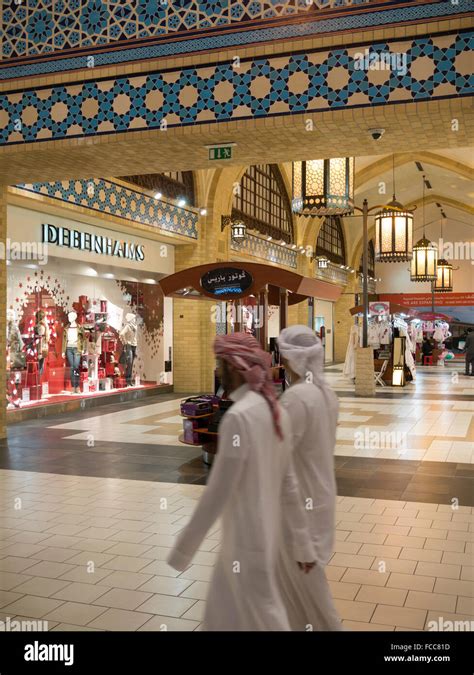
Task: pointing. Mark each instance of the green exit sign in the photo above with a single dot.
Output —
(221, 152)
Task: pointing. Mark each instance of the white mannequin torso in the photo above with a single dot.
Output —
(72, 335)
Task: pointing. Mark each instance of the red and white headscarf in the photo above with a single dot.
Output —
(245, 354)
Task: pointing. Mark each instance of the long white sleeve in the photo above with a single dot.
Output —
(297, 414)
(225, 475)
(296, 518)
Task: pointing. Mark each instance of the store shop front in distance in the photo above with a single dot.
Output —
(86, 317)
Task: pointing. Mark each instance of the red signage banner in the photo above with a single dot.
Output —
(424, 299)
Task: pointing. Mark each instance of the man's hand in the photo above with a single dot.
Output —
(306, 566)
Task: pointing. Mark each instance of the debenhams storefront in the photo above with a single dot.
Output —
(85, 313)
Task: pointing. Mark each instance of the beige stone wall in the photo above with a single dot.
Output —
(365, 379)
(193, 362)
(298, 314)
(193, 330)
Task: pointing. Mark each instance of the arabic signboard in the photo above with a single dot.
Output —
(226, 281)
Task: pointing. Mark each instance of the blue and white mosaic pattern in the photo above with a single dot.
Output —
(260, 248)
(165, 45)
(436, 67)
(31, 27)
(107, 197)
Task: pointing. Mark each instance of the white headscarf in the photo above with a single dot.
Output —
(304, 352)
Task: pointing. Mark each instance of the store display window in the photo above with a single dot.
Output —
(70, 334)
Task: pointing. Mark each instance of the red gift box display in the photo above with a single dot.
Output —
(109, 344)
(35, 392)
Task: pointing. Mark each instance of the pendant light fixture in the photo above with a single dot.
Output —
(444, 273)
(323, 187)
(393, 230)
(425, 254)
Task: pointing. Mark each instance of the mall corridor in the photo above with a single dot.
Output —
(216, 218)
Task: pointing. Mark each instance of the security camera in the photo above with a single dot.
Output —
(376, 133)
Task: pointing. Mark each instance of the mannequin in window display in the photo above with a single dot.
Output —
(74, 343)
(128, 336)
(15, 343)
(42, 335)
(16, 359)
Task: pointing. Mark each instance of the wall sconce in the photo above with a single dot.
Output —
(238, 229)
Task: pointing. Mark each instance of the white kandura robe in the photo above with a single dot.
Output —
(253, 488)
(313, 412)
(352, 345)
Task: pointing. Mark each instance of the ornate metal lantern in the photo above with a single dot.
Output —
(323, 187)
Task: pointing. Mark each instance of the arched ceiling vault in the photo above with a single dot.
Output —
(380, 166)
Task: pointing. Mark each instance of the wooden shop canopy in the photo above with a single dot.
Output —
(189, 283)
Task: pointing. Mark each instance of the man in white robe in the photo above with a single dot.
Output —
(313, 410)
(252, 487)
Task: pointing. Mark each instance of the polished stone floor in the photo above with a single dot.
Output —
(404, 444)
(88, 553)
(86, 548)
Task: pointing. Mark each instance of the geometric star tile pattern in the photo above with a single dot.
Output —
(107, 197)
(118, 31)
(329, 79)
(32, 27)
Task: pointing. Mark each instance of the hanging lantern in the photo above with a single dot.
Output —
(423, 264)
(444, 270)
(238, 230)
(323, 187)
(393, 230)
(444, 277)
(393, 233)
(425, 254)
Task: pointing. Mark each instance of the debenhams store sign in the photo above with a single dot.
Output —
(93, 243)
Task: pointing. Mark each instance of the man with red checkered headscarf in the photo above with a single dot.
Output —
(252, 487)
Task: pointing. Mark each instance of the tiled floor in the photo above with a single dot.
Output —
(427, 429)
(88, 554)
(433, 438)
(84, 535)
(420, 480)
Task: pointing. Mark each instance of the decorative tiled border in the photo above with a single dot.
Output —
(329, 79)
(260, 248)
(33, 27)
(223, 38)
(107, 197)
